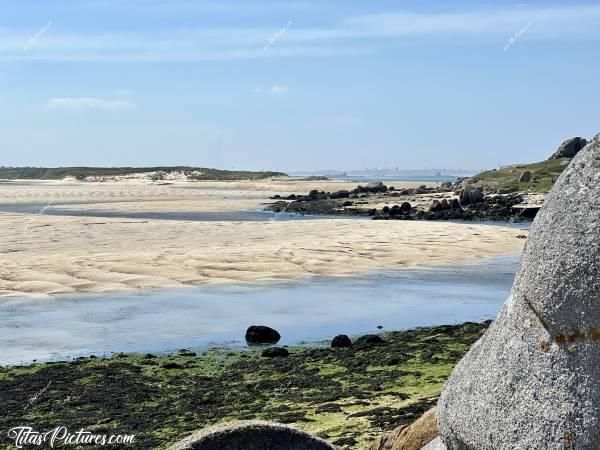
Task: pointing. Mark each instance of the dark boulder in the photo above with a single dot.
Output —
(405, 207)
(385, 209)
(275, 352)
(471, 195)
(340, 194)
(368, 340)
(569, 148)
(435, 206)
(525, 177)
(395, 210)
(347, 203)
(376, 186)
(341, 341)
(260, 334)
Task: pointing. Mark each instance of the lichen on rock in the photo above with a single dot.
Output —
(532, 380)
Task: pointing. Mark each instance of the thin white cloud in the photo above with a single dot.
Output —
(273, 90)
(278, 90)
(347, 36)
(87, 103)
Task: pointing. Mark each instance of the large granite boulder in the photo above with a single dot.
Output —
(251, 435)
(533, 380)
(409, 437)
(569, 148)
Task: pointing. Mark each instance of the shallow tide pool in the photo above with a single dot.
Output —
(304, 312)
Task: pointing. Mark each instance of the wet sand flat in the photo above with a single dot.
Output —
(53, 254)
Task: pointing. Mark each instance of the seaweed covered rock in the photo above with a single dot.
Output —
(341, 341)
(275, 352)
(251, 435)
(532, 380)
(368, 340)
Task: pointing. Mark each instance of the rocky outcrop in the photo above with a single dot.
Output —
(569, 148)
(409, 437)
(251, 435)
(470, 195)
(532, 380)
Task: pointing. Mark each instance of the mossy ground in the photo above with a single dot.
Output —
(507, 179)
(347, 396)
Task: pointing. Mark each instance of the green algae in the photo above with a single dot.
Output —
(347, 396)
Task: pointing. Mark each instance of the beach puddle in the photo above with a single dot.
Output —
(304, 312)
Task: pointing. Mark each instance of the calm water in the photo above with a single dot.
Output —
(251, 215)
(307, 311)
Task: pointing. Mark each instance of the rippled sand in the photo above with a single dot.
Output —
(51, 254)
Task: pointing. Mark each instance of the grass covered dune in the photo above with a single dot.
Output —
(195, 173)
(347, 396)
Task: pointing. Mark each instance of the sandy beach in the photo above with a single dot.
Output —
(48, 255)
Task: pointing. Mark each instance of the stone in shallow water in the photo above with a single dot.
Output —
(251, 435)
(261, 334)
(532, 381)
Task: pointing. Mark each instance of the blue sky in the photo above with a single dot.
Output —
(295, 85)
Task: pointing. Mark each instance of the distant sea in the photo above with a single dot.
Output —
(390, 179)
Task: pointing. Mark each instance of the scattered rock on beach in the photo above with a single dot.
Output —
(470, 195)
(376, 186)
(275, 352)
(341, 341)
(532, 380)
(260, 334)
(368, 340)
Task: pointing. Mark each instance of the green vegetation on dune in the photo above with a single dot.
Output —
(507, 179)
(347, 396)
(57, 173)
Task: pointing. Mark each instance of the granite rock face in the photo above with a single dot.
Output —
(569, 148)
(251, 435)
(533, 380)
(409, 437)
